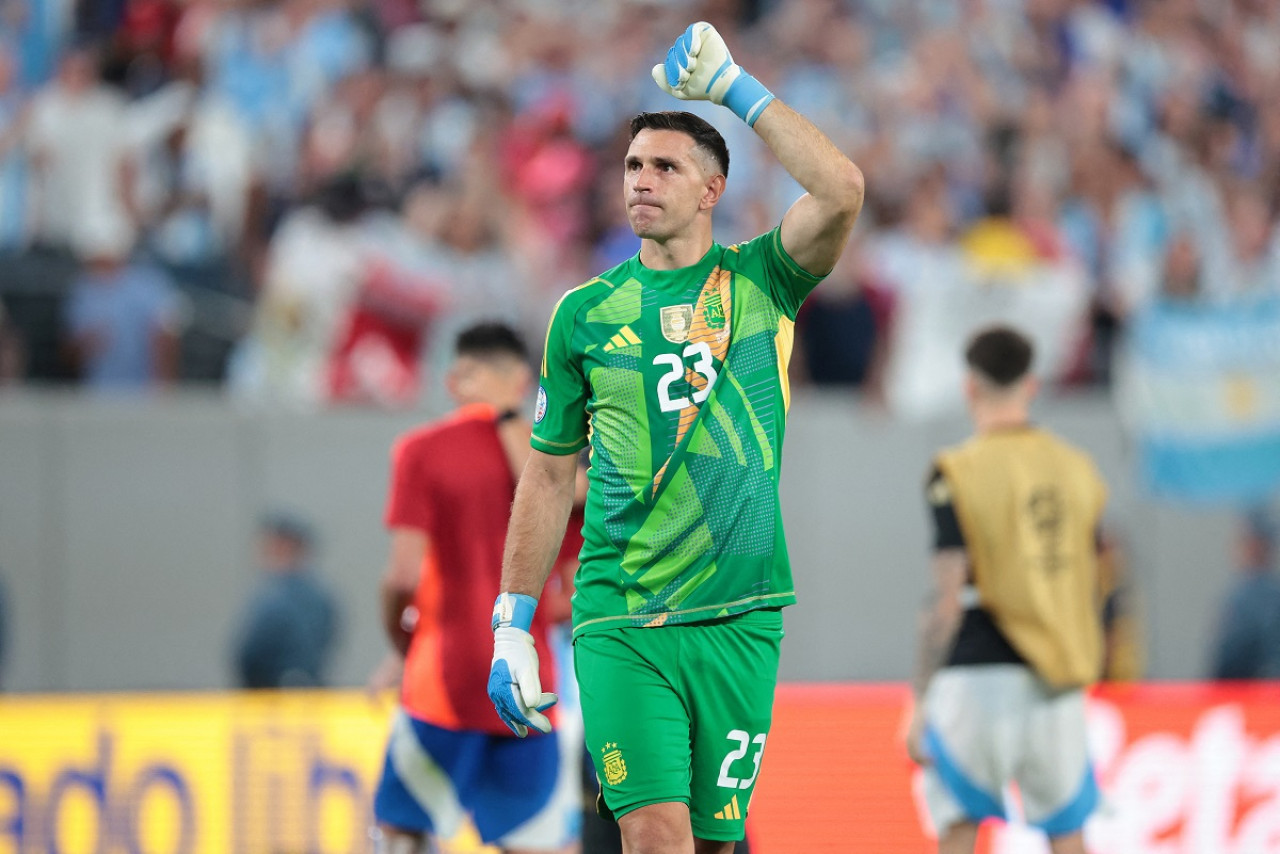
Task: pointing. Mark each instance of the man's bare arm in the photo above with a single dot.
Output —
(817, 227)
(400, 583)
(544, 498)
(941, 619)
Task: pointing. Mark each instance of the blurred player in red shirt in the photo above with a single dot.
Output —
(449, 755)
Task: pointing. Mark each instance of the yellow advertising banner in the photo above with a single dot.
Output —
(1187, 767)
(191, 773)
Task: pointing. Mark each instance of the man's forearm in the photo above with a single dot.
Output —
(536, 531)
(809, 156)
(938, 627)
(394, 603)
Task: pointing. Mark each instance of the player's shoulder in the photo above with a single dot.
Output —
(749, 251)
(1060, 444)
(426, 437)
(1079, 455)
(589, 292)
(737, 254)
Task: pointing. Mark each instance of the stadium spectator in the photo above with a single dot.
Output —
(289, 628)
(313, 271)
(1248, 637)
(123, 316)
(14, 115)
(838, 329)
(13, 352)
(76, 143)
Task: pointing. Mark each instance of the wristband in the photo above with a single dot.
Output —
(515, 610)
(747, 97)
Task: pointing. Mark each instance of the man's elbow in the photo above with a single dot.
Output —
(847, 190)
(548, 476)
(396, 588)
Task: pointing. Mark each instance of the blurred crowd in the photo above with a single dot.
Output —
(304, 199)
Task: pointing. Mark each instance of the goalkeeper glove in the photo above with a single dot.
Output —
(514, 686)
(699, 68)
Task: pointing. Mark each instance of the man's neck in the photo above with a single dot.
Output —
(999, 419)
(675, 253)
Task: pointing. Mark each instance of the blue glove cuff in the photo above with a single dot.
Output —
(514, 609)
(747, 97)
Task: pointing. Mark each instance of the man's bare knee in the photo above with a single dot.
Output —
(712, 846)
(1071, 843)
(958, 839)
(657, 829)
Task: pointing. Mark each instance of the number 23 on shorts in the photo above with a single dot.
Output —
(743, 742)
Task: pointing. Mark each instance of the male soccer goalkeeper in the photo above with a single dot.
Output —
(673, 367)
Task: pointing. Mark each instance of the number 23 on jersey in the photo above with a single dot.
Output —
(679, 373)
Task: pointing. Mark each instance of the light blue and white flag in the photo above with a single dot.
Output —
(1199, 387)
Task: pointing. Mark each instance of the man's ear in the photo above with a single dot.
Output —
(711, 193)
(1032, 387)
(455, 383)
(970, 387)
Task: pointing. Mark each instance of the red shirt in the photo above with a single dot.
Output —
(451, 480)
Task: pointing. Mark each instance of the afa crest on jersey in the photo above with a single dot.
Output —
(713, 311)
(677, 320)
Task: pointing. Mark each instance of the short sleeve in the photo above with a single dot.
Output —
(408, 504)
(946, 526)
(560, 413)
(786, 281)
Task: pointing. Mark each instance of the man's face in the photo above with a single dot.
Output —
(500, 381)
(667, 182)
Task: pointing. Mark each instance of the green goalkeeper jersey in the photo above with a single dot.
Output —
(678, 381)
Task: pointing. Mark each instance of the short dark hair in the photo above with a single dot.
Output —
(1000, 354)
(489, 339)
(290, 526)
(704, 135)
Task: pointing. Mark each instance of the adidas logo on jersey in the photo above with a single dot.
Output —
(730, 810)
(624, 338)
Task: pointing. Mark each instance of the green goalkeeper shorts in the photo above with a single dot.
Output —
(681, 713)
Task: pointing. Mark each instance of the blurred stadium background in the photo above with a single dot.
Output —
(300, 201)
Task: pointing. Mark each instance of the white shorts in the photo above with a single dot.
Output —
(991, 725)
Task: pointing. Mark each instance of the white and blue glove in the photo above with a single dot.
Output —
(699, 68)
(514, 686)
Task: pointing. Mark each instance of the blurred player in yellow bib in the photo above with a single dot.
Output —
(1014, 632)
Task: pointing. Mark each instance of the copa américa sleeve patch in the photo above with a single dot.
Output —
(540, 408)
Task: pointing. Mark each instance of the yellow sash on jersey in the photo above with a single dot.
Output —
(1029, 505)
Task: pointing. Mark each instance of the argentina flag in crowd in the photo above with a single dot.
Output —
(1199, 388)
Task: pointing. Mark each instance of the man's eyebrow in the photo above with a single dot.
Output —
(635, 160)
